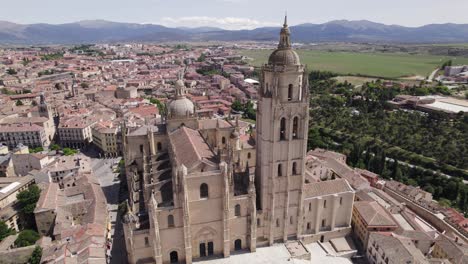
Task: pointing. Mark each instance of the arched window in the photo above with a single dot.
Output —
(170, 221)
(223, 140)
(280, 170)
(249, 155)
(283, 129)
(291, 220)
(277, 222)
(290, 92)
(159, 146)
(204, 190)
(237, 210)
(295, 127)
(294, 168)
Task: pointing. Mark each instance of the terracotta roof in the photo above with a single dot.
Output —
(212, 123)
(374, 214)
(189, 147)
(327, 188)
(398, 249)
(20, 128)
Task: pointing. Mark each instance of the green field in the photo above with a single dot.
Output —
(387, 65)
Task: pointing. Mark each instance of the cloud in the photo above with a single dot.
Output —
(205, 21)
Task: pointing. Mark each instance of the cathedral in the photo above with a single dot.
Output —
(203, 187)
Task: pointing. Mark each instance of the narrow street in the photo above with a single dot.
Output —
(110, 184)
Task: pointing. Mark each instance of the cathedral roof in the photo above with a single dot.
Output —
(213, 123)
(284, 57)
(189, 147)
(180, 107)
(327, 188)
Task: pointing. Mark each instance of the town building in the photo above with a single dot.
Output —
(28, 134)
(368, 217)
(446, 248)
(75, 132)
(106, 138)
(75, 216)
(389, 249)
(9, 189)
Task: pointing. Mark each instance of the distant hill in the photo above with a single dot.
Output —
(99, 31)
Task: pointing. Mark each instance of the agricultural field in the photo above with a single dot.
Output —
(385, 65)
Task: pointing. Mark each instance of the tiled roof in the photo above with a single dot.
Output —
(397, 249)
(213, 123)
(374, 214)
(20, 128)
(327, 188)
(189, 147)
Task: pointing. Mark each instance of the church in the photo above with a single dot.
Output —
(201, 187)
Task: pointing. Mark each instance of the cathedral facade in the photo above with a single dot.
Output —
(202, 187)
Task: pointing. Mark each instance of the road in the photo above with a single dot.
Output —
(431, 77)
(110, 185)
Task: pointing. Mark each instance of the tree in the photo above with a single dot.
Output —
(412, 182)
(356, 153)
(396, 171)
(201, 58)
(429, 188)
(36, 256)
(5, 230)
(11, 71)
(19, 103)
(161, 106)
(84, 85)
(36, 150)
(451, 190)
(55, 147)
(237, 106)
(26, 238)
(27, 200)
(69, 151)
(462, 199)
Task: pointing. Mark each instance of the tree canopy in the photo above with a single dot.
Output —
(27, 200)
(26, 238)
(359, 123)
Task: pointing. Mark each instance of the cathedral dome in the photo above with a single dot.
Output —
(284, 57)
(181, 107)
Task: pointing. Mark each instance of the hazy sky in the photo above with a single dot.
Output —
(235, 14)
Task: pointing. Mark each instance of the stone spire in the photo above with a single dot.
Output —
(285, 35)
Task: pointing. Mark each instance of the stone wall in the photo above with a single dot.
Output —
(17, 255)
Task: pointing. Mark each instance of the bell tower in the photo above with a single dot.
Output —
(282, 125)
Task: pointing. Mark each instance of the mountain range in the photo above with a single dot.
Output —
(101, 31)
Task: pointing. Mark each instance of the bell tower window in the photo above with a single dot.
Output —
(295, 127)
(283, 129)
(290, 92)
